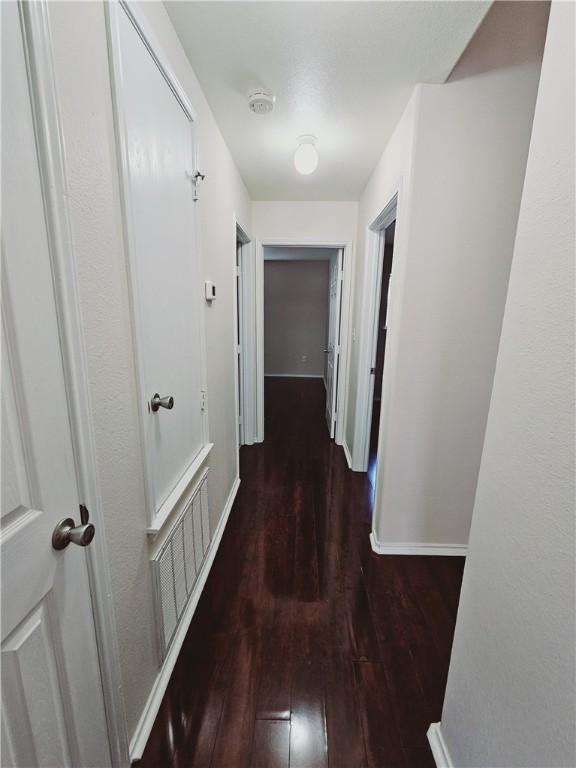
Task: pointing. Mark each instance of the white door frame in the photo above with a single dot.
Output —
(343, 370)
(334, 331)
(245, 330)
(369, 328)
(35, 18)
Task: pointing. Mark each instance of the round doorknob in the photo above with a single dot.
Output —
(66, 532)
(161, 402)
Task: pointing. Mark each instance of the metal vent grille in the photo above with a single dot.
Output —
(189, 558)
(205, 517)
(178, 562)
(166, 592)
(180, 588)
(196, 512)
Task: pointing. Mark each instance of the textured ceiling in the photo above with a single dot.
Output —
(342, 71)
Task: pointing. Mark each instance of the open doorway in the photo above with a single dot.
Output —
(303, 318)
(376, 311)
(379, 352)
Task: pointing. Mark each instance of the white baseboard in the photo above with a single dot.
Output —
(142, 731)
(415, 548)
(355, 465)
(347, 454)
(293, 376)
(438, 746)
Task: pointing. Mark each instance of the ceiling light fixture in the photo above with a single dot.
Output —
(306, 155)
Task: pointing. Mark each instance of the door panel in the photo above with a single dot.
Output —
(158, 144)
(31, 682)
(16, 488)
(333, 349)
(52, 705)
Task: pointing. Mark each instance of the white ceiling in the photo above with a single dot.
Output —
(342, 71)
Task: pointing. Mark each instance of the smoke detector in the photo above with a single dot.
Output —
(261, 100)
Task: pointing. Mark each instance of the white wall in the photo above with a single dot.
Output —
(84, 90)
(306, 222)
(392, 174)
(511, 693)
(461, 158)
(295, 317)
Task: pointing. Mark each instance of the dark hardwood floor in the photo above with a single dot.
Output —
(306, 649)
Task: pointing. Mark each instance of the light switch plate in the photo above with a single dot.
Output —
(210, 290)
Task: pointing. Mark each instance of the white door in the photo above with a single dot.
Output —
(333, 348)
(156, 140)
(239, 310)
(52, 705)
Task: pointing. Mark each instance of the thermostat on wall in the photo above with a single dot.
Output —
(210, 289)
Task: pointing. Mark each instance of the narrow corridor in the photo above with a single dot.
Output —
(306, 648)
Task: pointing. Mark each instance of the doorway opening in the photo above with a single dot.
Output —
(373, 370)
(379, 350)
(302, 288)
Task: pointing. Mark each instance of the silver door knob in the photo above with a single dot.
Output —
(161, 402)
(67, 531)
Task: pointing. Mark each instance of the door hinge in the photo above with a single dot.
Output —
(203, 400)
(372, 371)
(84, 514)
(195, 178)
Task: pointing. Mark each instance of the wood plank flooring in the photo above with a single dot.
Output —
(306, 649)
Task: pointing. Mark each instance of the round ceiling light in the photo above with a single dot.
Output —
(306, 155)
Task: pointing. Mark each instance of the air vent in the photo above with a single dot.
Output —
(178, 562)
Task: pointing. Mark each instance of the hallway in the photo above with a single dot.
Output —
(307, 649)
(288, 337)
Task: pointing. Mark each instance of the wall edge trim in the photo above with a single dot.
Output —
(416, 548)
(148, 716)
(438, 746)
(347, 453)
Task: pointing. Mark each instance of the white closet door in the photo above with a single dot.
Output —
(333, 349)
(156, 138)
(52, 703)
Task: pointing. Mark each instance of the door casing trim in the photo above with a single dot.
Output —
(345, 330)
(36, 23)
